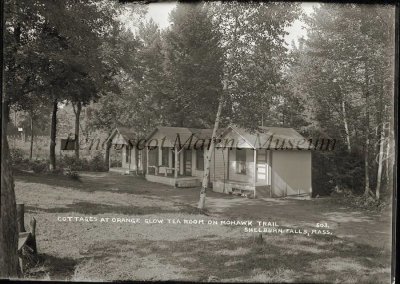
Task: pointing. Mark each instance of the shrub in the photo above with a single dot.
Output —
(97, 164)
(18, 162)
(16, 156)
(73, 164)
(39, 166)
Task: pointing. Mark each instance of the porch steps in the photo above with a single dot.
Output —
(242, 192)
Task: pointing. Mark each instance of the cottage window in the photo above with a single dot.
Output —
(200, 160)
(165, 156)
(241, 161)
(153, 156)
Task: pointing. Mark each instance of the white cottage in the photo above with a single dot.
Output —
(125, 141)
(272, 162)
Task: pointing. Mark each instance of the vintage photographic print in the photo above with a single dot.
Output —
(198, 141)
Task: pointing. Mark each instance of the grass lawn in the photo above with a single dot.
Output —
(357, 251)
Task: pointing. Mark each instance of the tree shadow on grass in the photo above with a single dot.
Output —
(87, 183)
(50, 267)
(244, 258)
(49, 179)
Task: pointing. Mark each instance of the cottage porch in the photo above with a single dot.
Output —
(124, 171)
(119, 170)
(167, 164)
(180, 181)
(242, 188)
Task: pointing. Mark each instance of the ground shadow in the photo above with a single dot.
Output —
(52, 268)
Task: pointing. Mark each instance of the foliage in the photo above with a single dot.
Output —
(194, 67)
(73, 164)
(255, 59)
(364, 202)
(19, 162)
(53, 51)
(39, 166)
(343, 72)
(96, 164)
(16, 156)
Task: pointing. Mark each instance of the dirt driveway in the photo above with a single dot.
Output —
(358, 249)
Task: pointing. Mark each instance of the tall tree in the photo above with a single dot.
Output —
(57, 53)
(194, 67)
(339, 68)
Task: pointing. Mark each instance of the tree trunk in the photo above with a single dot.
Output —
(32, 135)
(366, 148)
(388, 141)
(207, 161)
(346, 126)
(53, 136)
(8, 210)
(381, 119)
(8, 217)
(107, 156)
(380, 162)
(77, 111)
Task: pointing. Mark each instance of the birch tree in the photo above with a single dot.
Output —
(253, 45)
(347, 49)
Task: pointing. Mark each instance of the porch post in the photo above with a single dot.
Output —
(255, 171)
(159, 156)
(129, 151)
(170, 158)
(227, 163)
(271, 174)
(176, 163)
(109, 158)
(147, 160)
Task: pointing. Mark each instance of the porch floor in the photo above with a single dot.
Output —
(180, 181)
(121, 170)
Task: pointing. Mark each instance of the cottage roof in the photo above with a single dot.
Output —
(128, 134)
(171, 133)
(269, 138)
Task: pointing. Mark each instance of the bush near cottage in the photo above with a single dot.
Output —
(73, 164)
(360, 201)
(96, 164)
(16, 156)
(39, 166)
(21, 163)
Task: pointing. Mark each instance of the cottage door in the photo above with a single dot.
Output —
(187, 161)
(261, 165)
